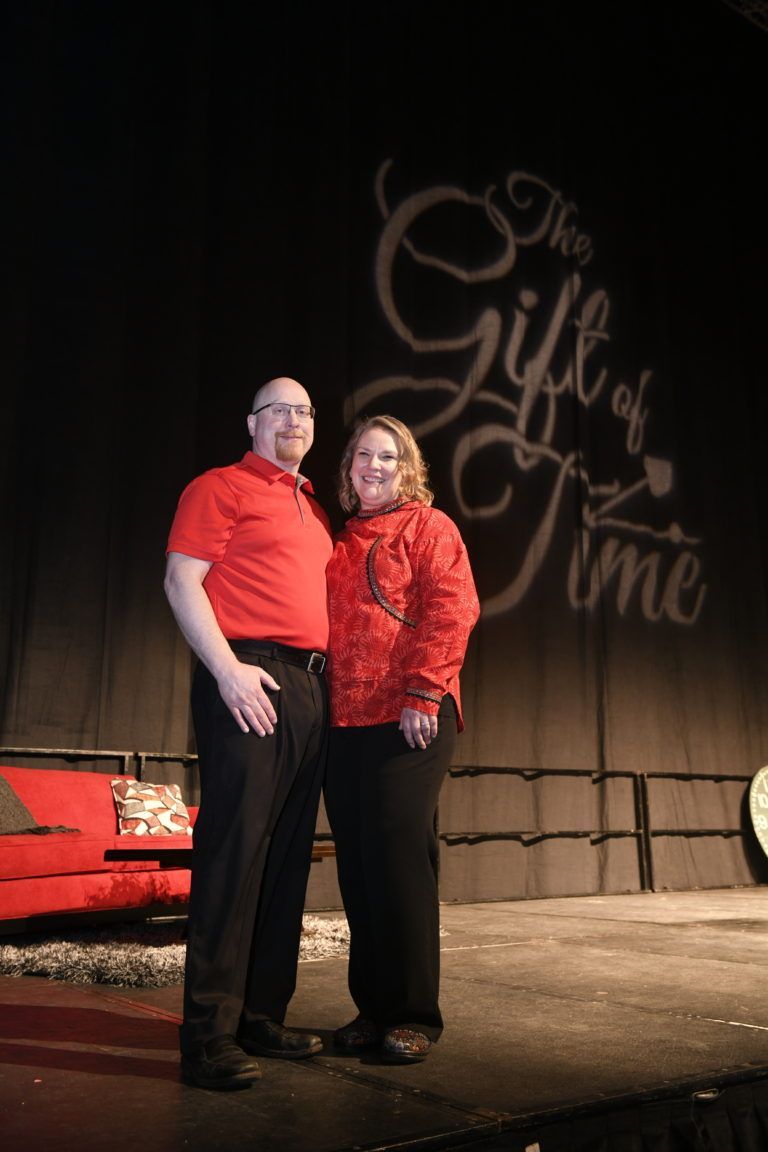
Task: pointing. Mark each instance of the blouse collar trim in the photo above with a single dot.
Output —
(395, 506)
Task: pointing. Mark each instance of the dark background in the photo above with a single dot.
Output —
(189, 208)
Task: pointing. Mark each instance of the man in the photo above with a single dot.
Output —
(245, 579)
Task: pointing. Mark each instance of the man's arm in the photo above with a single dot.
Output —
(242, 686)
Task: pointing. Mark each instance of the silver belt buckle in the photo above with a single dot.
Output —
(316, 662)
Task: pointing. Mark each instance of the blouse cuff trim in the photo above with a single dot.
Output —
(433, 697)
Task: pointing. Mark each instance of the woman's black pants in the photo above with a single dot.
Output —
(381, 797)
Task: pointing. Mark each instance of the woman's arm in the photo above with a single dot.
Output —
(447, 609)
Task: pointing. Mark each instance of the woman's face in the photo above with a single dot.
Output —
(375, 469)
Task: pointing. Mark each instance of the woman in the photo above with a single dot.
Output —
(402, 605)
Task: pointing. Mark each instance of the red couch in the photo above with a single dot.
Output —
(72, 872)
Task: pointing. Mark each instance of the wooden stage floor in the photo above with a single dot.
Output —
(570, 1023)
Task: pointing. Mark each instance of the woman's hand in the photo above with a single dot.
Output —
(418, 728)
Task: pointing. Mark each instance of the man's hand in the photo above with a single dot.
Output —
(418, 728)
(242, 686)
(243, 690)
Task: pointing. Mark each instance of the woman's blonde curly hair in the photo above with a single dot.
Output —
(413, 469)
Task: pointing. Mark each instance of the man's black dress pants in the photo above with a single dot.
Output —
(252, 852)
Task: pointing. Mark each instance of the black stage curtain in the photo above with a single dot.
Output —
(532, 230)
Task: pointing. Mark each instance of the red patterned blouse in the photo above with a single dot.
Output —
(402, 605)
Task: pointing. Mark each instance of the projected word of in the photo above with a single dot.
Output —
(517, 372)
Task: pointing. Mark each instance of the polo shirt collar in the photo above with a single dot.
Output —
(272, 473)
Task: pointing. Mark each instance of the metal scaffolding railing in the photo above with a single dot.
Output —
(643, 832)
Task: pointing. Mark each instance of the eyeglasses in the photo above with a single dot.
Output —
(281, 411)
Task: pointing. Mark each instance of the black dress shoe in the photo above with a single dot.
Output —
(357, 1035)
(219, 1063)
(266, 1038)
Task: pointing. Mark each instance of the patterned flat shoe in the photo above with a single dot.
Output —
(405, 1046)
(360, 1034)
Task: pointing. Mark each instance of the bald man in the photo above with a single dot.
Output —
(245, 579)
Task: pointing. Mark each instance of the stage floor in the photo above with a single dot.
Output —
(560, 1014)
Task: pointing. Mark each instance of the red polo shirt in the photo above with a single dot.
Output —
(268, 542)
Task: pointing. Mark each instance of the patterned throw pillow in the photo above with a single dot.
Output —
(150, 809)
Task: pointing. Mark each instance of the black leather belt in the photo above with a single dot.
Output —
(301, 657)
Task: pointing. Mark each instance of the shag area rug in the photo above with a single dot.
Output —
(147, 955)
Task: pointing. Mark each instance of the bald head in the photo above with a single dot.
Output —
(283, 440)
(269, 392)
